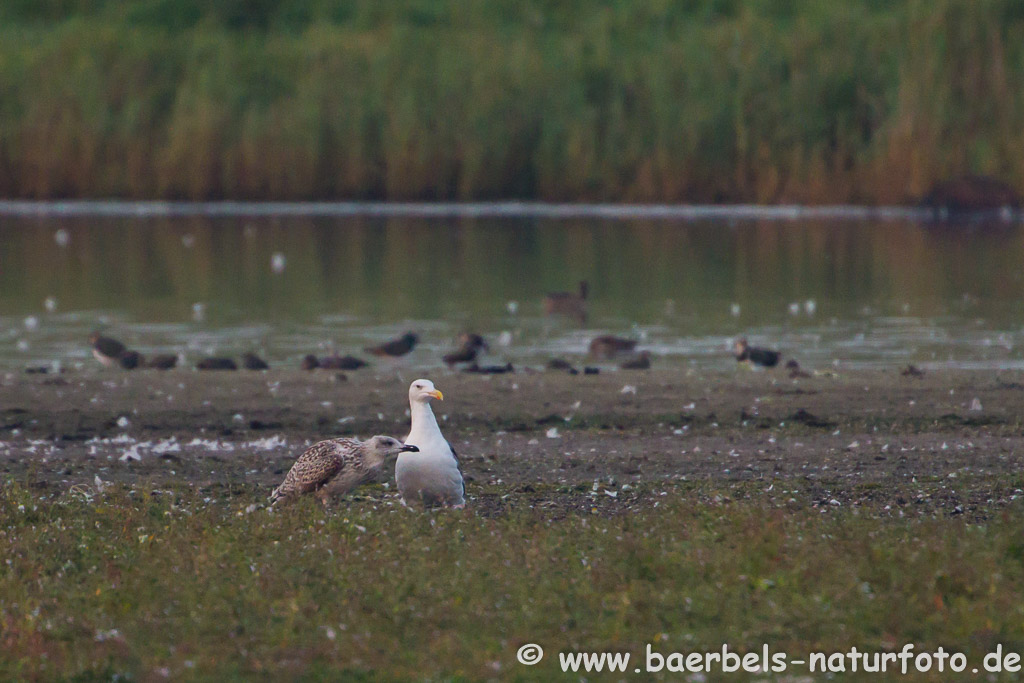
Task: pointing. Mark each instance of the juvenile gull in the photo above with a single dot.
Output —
(336, 466)
(430, 477)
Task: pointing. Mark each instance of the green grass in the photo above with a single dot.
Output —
(704, 100)
(134, 584)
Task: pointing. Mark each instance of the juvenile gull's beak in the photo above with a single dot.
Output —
(436, 393)
(409, 448)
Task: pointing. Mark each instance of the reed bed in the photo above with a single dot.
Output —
(699, 101)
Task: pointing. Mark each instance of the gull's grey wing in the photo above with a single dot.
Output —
(458, 466)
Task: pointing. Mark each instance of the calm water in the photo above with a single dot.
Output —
(865, 293)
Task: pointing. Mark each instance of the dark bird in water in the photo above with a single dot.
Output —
(163, 361)
(106, 350)
(763, 357)
(130, 360)
(609, 346)
(470, 345)
(336, 466)
(912, 371)
(641, 361)
(310, 362)
(795, 371)
(971, 194)
(395, 347)
(490, 369)
(567, 303)
(250, 361)
(216, 364)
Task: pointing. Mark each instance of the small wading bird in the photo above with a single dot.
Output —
(216, 364)
(795, 371)
(763, 357)
(163, 361)
(641, 361)
(568, 303)
(490, 369)
(609, 346)
(106, 350)
(250, 361)
(336, 466)
(430, 477)
(395, 347)
(912, 371)
(561, 364)
(341, 363)
(130, 360)
(470, 344)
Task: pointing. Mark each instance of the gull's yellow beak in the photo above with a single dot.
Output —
(436, 393)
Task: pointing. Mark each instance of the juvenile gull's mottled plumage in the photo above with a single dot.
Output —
(336, 466)
(430, 477)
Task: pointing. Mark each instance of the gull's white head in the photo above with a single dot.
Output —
(422, 390)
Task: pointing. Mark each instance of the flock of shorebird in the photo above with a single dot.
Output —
(112, 352)
(426, 469)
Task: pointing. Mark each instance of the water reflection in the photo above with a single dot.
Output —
(880, 290)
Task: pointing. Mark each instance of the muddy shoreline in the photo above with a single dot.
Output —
(875, 439)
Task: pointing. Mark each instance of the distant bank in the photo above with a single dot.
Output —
(706, 102)
(509, 209)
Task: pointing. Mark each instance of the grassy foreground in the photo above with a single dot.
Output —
(150, 584)
(704, 100)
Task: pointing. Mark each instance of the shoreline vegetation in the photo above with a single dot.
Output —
(706, 101)
(793, 512)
